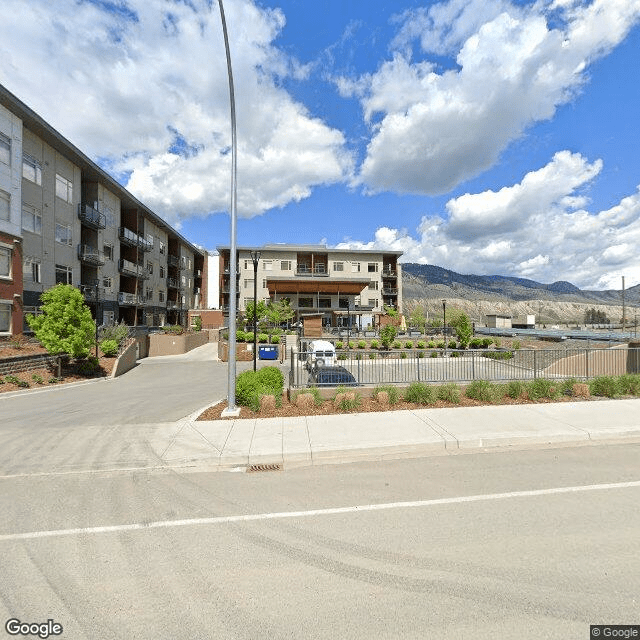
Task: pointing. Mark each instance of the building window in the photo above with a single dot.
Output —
(285, 265)
(189, 263)
(150, 267)
(5, 149)
(149, 294)
(5, 317)
(355, 267)
(109, 216)
(31, 169)
(162, 247)
(5, 205)
(107, 283)
(63, 234)
(5, 262)
(267, 265)
(248, 284)
(338, 266)
(161, 296)
(161, 271)
(184, 281)
(32, 267)
(64, 188)
(31, 219)
(324, 303)
(373, 285)
(372, 267)
(305, 302)
(64, 275)
(373, 303)
(264, 284)
(108, 251)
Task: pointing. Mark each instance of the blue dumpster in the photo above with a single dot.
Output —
(268, 353)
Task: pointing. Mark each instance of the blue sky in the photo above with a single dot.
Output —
(484, 136)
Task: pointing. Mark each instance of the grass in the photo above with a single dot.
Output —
(393, 393)
(484, 391)
(420, 393)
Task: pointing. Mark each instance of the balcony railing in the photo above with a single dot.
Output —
(389, 273)
(129, 298)
(90, 255)
(173, 283)
(197, 273)
(91, 216)
(132, 269)
(89, 292)
(318, 270)
(134, 240)
(389, 292)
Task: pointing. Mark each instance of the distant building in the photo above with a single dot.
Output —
(497, 321)
(339, 287)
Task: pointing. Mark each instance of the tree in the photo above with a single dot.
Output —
(260, 308)
(418, 319)
(464, 330)
(387, 335)
(279, 312)
(593, 316)
(66, 325)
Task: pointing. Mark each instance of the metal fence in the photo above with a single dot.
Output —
(371, 367)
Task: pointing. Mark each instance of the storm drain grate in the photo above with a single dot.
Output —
(256, 468)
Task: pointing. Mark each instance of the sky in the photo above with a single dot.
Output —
(483, 136)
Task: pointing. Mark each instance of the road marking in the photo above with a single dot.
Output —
(164, 524)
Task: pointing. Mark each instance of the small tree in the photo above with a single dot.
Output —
(279, 312)
(417, 319)
(66, 325)
(387, 335)
(259, 309)
(464, 330)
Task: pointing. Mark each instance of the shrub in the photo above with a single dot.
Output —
(449, 393)
(392, 392)
(498, 355)
(408, 344)
(566, 386)
(419, 354)
(342, 356)
(252, 385)
(375, 344)
(515, 388)
(516, 344)
(403, 355)
(66, 325)
(372, 356)
(362, 344)
(431, 344)
(452, 344)
(487, 342)
(89, 366)
(419, 393)
(275, 339)
(263, 338)
(339, 344)
(314, 391)
(434, 354)
(109, 347)
(352, 345)
(397, 344)
(475, 343)
(421, 344)
(440, 344)
(542, 388)
(346, 400)
(10, 379)
(455, 354)
(37, 378)
(53, 380)
(604, 386)
(497, 342)
(629, 384)
(484, 391)
(387, 335)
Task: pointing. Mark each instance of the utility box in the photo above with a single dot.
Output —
(268, 353)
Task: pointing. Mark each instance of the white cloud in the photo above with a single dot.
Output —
(432, 129)
(142, 84)
(540, 234)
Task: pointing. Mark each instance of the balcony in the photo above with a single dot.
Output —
(132, 269)
(173, 283)
(129, 299)
(389, 273)
(89, 292)
(134, 240)
(90, 255)
(197, 273)
(389, 292)
(227, 289)
(318, 270)
(91, 217)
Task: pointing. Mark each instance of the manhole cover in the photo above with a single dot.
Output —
(256, 468)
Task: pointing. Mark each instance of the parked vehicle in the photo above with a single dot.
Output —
(320, 353)
(332, 377)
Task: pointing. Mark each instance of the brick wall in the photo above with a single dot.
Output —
(26, 363)
(11, 290)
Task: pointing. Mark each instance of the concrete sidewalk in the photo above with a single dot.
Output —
(225, 444)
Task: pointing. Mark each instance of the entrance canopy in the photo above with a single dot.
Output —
(347, 286)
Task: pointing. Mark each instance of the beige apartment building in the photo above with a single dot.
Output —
(74, 224)
(343, 286)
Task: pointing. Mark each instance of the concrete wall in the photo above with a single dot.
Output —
(166, 344)
(126, 361)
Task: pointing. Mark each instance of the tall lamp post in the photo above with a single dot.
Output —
(96, 283)
(255, 257)
(444, 324)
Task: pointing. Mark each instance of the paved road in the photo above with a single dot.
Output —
(164, 555)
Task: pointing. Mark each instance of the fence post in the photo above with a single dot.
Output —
(586, 353)
(418, 366)
(535, 365)
(473, 365)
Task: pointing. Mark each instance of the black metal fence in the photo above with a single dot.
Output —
(377, 367)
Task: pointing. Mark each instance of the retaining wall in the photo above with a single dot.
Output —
(16, 364)
(167, 344)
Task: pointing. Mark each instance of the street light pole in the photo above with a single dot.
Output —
(255, 257)
(444, 325)
(96, 283)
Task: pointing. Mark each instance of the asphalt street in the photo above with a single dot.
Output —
(526, 544)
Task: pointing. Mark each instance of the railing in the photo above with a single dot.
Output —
(175, 261)
(198, 273)
(91, 217)
(389, 292)
(89, 292)
(388, 273)
(129, 298)
(319, 270)
(91, 255)
(133, 239)
(132, 269)
(173, 283)
(403, 366)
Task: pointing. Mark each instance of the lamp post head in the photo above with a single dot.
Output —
(255, 256)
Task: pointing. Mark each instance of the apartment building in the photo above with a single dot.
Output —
(343, 286)
(64, 220)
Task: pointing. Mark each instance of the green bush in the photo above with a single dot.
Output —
(606, 386)
(440, 344)
(449, 393)
(455, 354)
(375, 344)
(53, 380)
(434, 354)
(408, 344)
(542, 388)
(362, 344)
(419, 354)
(498, 355)
(347, 404)
(314, 391)
(109, 347)
(515, 388)
(421, 344)
(566, 386)
(484, 391)
(403, 355)
(452, 344)
(342, 356)
(275, 339)
(419, 393)
(387, 335)
(516, 344)
(629, 384)
(392, 392)
(339, 344)
(372, 355)
(263, 338)
(352, 345)
(37, 378)
(397, 344)
(89, 366)
(431, 344)
(497, 342)
(118, 332)
(475, 343)
(252, 385)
